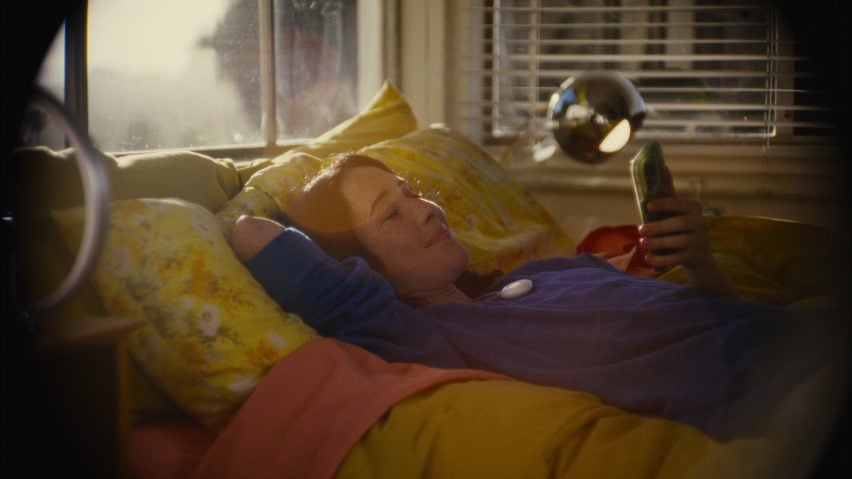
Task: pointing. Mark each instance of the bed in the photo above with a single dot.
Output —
(213, 379)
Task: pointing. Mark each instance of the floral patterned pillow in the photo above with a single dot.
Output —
(269, 191)
(211, 332)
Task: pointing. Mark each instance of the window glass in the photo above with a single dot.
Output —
(157, 76)
(315, 65)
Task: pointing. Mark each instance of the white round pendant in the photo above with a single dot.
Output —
(516, 289)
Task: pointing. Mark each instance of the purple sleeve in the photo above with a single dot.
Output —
(326, 293)
(348, 301)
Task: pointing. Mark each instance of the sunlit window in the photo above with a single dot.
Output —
(153, 81)
(314, 53)
(315, 65)
(184, 74)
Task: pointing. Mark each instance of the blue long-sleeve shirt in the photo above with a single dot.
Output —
(644, 345)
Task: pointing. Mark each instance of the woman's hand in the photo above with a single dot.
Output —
(251, 234)
(684, 234)
(683, 239)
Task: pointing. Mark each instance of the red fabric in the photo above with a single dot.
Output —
(312, 407)
(620, 246)
(167, 449)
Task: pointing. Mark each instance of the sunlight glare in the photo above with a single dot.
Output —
(616, 138)
(151, 37)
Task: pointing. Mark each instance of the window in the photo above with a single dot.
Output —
(709, 70)
(214, 73)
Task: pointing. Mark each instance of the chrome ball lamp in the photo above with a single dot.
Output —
(593, 115)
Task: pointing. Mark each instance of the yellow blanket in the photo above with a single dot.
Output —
(505, 429)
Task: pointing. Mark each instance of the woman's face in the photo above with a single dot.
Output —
(406, 233)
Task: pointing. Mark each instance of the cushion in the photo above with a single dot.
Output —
(211, 332)
(49, 180)
(387, 115)
(272, 183)
(269, 191)
(765, 259)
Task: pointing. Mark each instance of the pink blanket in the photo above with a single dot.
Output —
(313, 406)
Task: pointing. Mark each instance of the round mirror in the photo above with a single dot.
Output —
(594, 115)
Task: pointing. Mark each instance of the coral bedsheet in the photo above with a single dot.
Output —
(312, 407)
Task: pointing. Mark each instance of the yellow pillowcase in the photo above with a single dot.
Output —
(492, 215)
(49, 180)
(776, 261)
(388, 115)
(270, 190)
(211, 331)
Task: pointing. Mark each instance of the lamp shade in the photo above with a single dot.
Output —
(594, 115)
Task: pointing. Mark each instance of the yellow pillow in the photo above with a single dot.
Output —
(272, 183)
(388, 115)
(49, 180)
(776, 261)
(748, 283)
(211, 332)
(492, 215)
(270, 190)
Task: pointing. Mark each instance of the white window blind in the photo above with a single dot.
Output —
(711, 70)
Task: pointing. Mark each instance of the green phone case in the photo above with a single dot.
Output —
(647, 169)
(650, 181)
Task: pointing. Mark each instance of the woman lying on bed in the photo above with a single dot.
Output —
(691, 354)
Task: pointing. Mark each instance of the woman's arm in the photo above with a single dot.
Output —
(686, 233)
(345, 300)
(251, 234)
(301, 278)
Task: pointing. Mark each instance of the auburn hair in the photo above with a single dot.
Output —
(322, 213)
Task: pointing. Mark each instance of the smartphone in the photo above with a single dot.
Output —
(651, 180)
